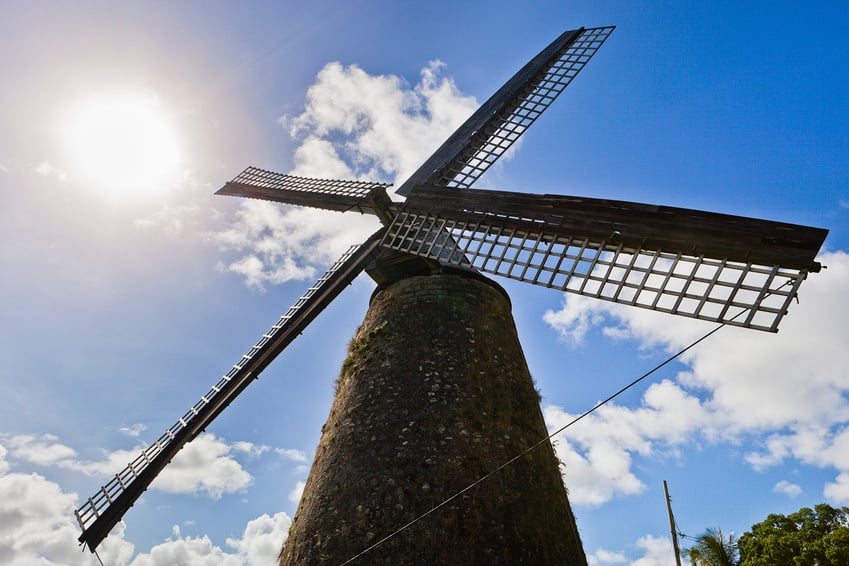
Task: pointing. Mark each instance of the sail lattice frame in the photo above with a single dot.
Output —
(269, 179)
(493, 128)
(329, 194)
(500, 134)
(718, 290)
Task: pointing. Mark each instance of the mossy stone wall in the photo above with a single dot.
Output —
(434, 394)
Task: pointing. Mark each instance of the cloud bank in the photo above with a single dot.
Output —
(37, 514)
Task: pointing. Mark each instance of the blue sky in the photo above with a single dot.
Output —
(127, 289)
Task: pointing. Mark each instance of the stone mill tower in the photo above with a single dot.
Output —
(435, 394)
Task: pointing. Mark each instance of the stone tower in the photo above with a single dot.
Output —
(434, 394)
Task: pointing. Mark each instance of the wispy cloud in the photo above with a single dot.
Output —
(573, 320)
(292, 454)
(44, 450)
(206, 466)
(251, 449)
(49, 170)
(133, 430)
(170, 219)
(787, 488)
(602, 556)
(297, 492)
(280, 244)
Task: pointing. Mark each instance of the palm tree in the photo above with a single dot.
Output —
(711, 549)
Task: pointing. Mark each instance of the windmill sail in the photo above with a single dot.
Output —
(329, 194)
(99, 514)
(715, 267)
(499, 122)
(709, 266)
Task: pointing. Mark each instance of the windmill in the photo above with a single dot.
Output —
(725, 269)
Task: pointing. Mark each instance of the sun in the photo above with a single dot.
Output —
(122, 145)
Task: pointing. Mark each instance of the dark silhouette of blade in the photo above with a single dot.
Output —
(329, 194)
(680, 261)
(99, 514)
(499, 122)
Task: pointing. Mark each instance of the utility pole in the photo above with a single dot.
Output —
(672, 528)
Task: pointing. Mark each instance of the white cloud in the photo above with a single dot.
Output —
(574, 319)
(354, 125)
(197, 551)
(602, 556)
(792, 389)
(787, 488)
(38, 525)
(46, 451)
(4, 465)
(597, 451)
(297, 492)
(657, 551)
(381, 126)
(259, 545)
(838, 490)
(39, 450)
(292, 454)
(170, 219)
(49, 170)
(316, 157)
(813, 444)
(205, 465)
(133, 430)
(262, 539)
(251, 449)
(280, 244)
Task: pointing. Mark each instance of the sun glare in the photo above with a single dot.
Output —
(122, 146)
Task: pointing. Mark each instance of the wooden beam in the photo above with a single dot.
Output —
(670, 229)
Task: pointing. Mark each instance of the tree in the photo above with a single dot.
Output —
(819, 536)
(711, 549)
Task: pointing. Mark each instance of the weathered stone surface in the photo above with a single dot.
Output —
(435, 393)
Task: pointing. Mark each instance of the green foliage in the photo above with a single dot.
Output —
(355, 350)
(711, 549)
(817, 536)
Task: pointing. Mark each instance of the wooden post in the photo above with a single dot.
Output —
(672, 528)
